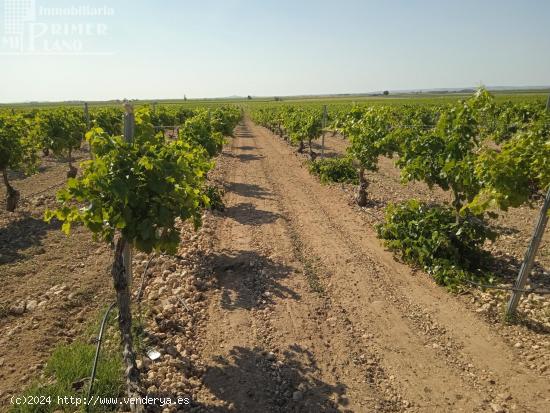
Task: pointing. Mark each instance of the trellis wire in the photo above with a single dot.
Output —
(520, 290)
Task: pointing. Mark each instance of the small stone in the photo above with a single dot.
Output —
(270, 356)
(146, 363)
(31, 305)
(18, 309)
(518, 345)
(171, 350)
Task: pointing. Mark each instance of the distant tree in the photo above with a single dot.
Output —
(249, 97)
(386, 93)
(185, 98)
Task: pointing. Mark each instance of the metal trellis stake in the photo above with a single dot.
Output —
(529, 259)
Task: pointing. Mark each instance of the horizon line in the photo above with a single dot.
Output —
(377, 93)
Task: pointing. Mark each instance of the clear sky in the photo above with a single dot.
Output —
(212, 48)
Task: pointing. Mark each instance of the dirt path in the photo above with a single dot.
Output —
(313, 315)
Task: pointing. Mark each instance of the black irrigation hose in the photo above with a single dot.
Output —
(495, 287)
(97, 350)
(102, 329)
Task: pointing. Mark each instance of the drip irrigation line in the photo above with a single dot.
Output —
(26, 198)
(521, 290)
(44, 190)
(97, 350)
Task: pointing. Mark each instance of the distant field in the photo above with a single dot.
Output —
(396, 99)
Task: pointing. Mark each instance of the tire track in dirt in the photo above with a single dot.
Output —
(270, 318)
(346, 263)
(374, 338)
(483, 354)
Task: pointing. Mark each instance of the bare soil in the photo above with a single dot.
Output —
(312, 314)
(285, 302)
(515, 228)
(52, 285)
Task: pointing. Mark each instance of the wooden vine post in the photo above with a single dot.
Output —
(529, 259)
(122, 277)
(176, 185)
(87, 116)
(324, 125)
(88, 124)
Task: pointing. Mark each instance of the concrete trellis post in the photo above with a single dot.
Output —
(529, 259)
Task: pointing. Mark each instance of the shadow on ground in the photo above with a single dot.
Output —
(248, 157)
(506, 269)
(328, 153)
(249, 190)
(248, 279)
(243, 133)
(245, 213)
(20, 235)
(251, 380)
